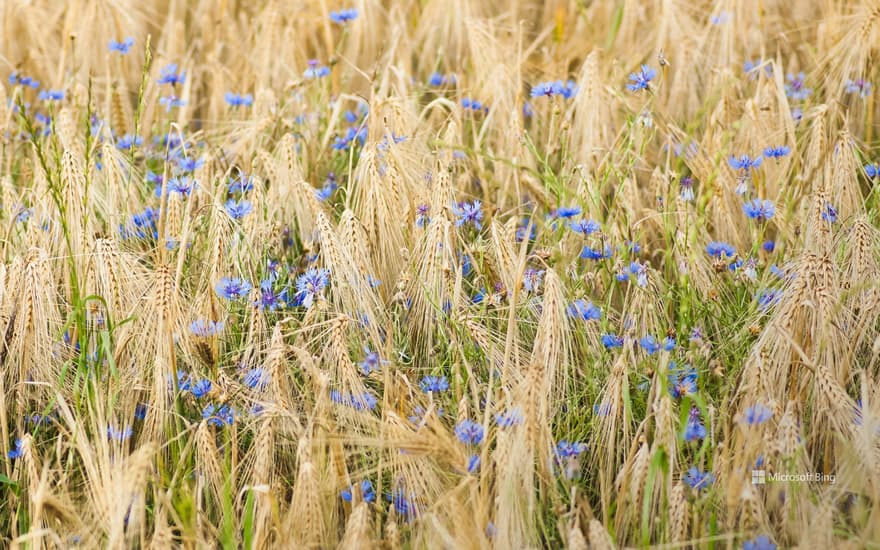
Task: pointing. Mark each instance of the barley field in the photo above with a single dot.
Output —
(393, 274)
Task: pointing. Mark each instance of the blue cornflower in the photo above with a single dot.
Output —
(744, 163)
(592, 254)
(435, 384)
(51, 95)
(795, 87)
(121, 47)
(761, 542)
(128, 141)
(469, 432)
(566, 212)
(760, 210)
(757, 414)
(269, 298)
(343, 16)
(242, 184)
(718, 249)
(509, 418)
(190, 164)
(642, 79)
(612, 341)
(682, 381)
(527, 110)
(405, 506)
(694, 430)
(436, 79)
(327, 190)
(640, 270)
(860, 86)
(474, 105)
(169, 75)
(232, 288)
(23, 80)
(372, 362)
(466, 212)
(767, 298)
(829, 213)
(17, 450)
(697, 479)
(532, 279)
(184, 382)
(218, 416)
(239, 100)
(872, 170)
(238, 209)
(584, 227)
(751, 68)
(119, 434)
(367, 492)
(566, 449)
(551, 88)
(422, 218)
(687, 189)
(256, 378)
(584, 310)
(140, 411)
(316, 70)
(311, 285)
(777, 152)
(473, 464)
(182, 185)
(171, 102)
(769, 246)
(649, 344)
(201, 388)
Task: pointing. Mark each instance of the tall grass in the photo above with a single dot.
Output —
(439, 274)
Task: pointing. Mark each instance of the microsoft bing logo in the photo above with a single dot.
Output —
(759, 477)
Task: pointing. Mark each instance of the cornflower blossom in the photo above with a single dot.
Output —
(696, 479)
(256, 378)
(584, 227)
(171, 102)
(642, 79)
(649, 344)
(872, 170)
(468, 213)
(201, 388)
(759, 210)
(119, 434)
(565, 90)
(757, 414)
(761, 542)
(422, 218)
(316, 70)
(694, 429)
(310, 285)
(169, 75)
(204, 328)
(238, 100)
(687, 189)
(744, 163)
(51, 95)
(182, 185)
(777, 152)
(238, 209)
(509, 418)
(859, 86)
(532, 279)
(584, 310)
(372, 362)
(218, 416)
(829, 213)
(121, 47)
(469, 432)
(17, 450)
(796, 88)
(128, 141)
(612, 341)
(367, 492)
(232, 288)
(342, 17)
(682, 381)
(718, 249)
(434, 384)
